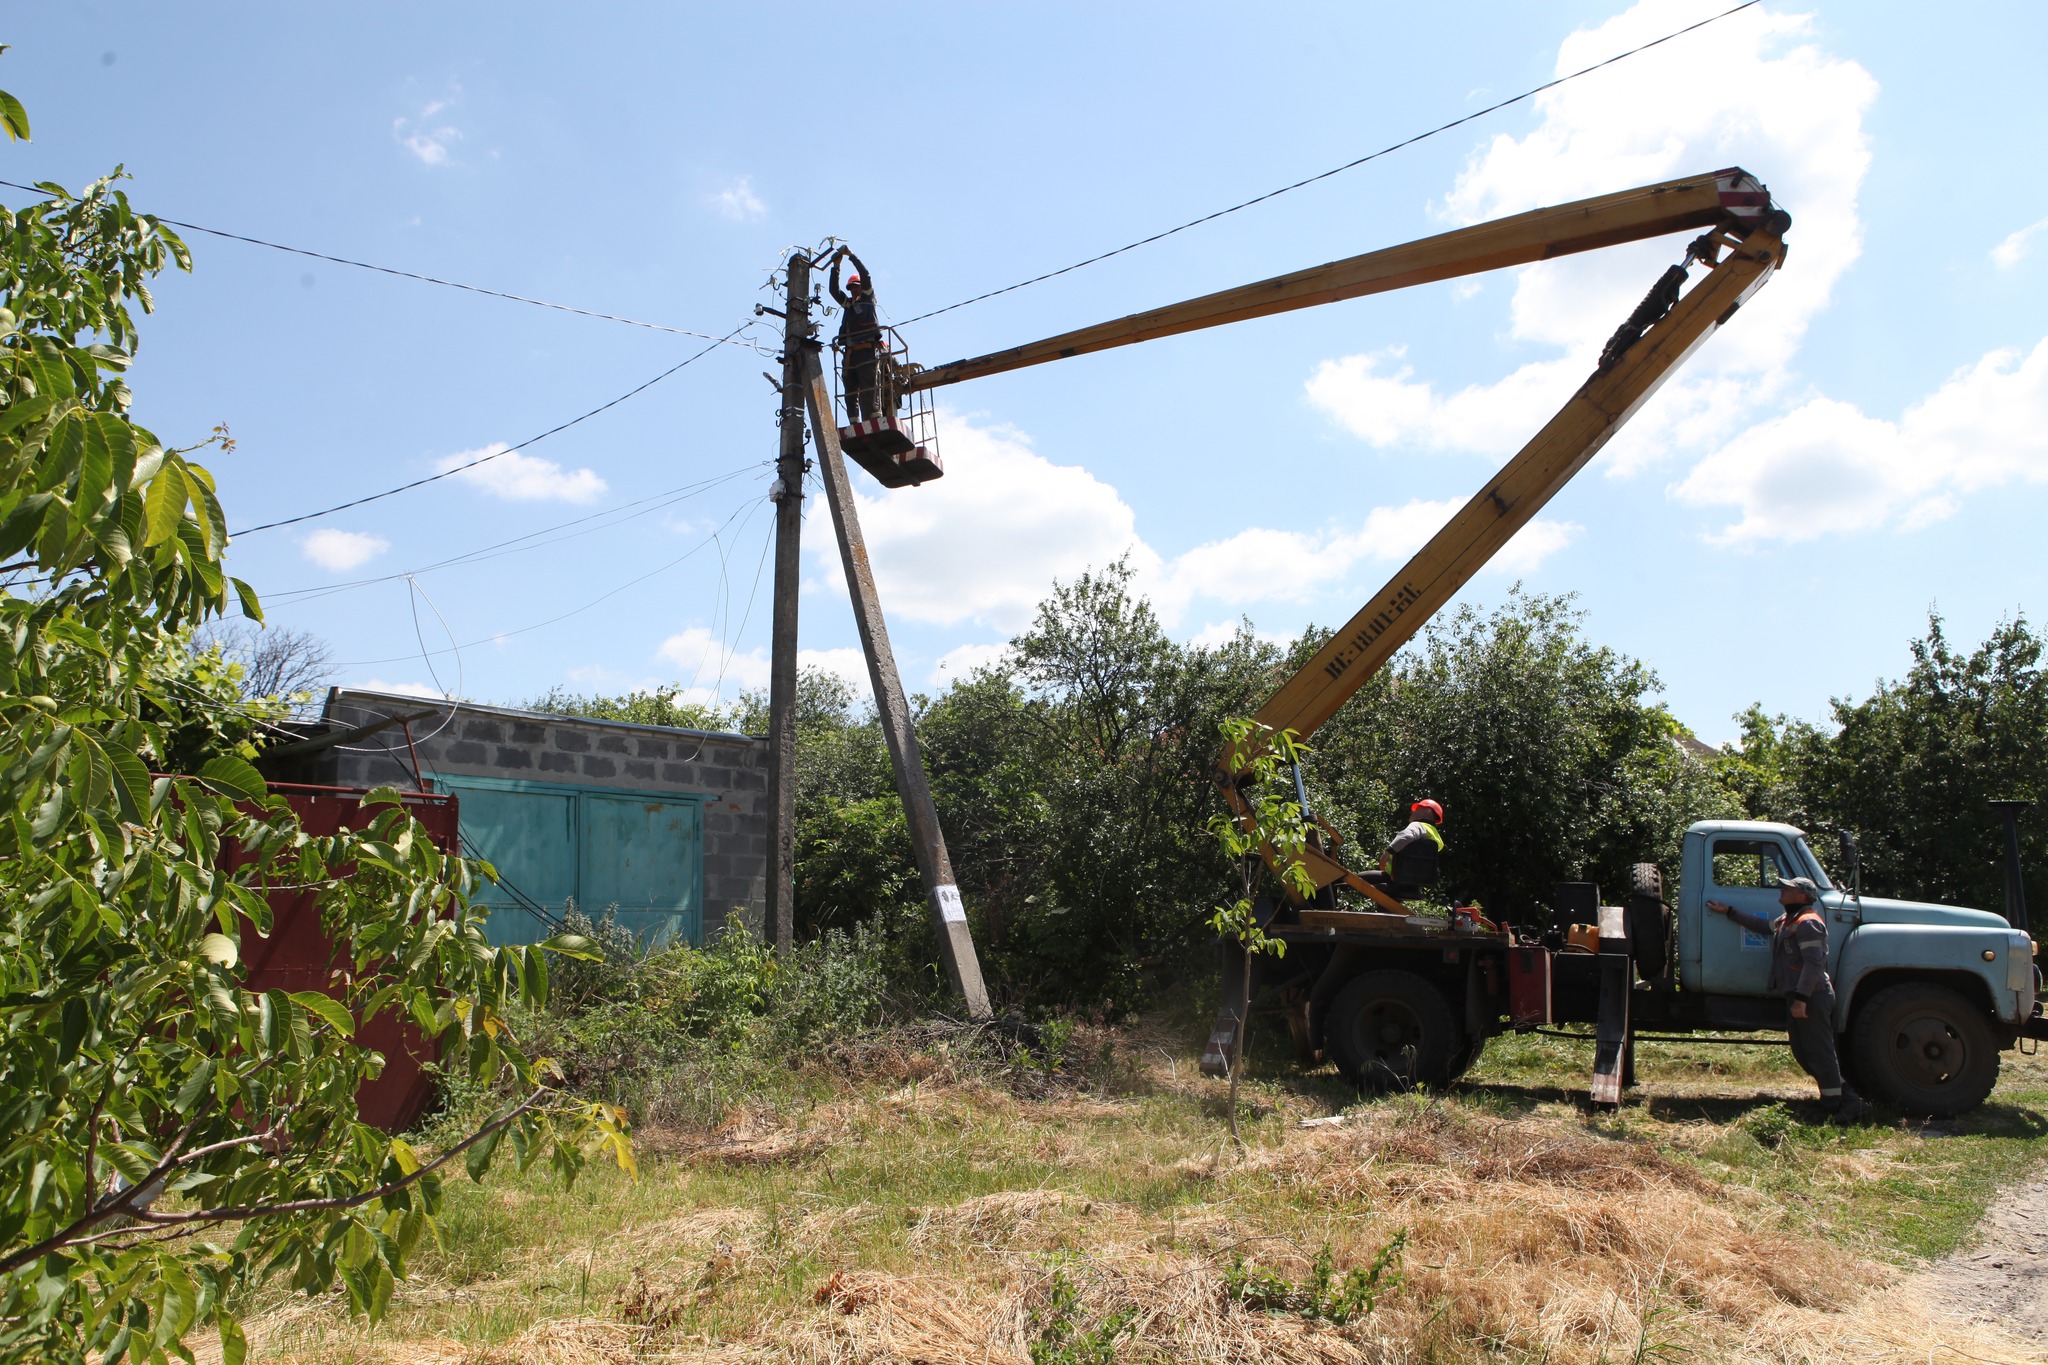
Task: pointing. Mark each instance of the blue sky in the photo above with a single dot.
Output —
(1868, 441)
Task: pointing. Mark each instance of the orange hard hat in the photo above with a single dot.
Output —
(1430, 808)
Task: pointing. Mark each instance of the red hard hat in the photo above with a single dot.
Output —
(1430, 808)
(852, 280)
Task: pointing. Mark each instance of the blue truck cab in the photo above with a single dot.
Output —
(1926, 996)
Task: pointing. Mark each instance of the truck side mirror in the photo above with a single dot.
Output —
(1852, 861)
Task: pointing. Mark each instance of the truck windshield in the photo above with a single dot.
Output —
(1820, 872)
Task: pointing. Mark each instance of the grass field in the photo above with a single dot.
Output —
(898, 1203)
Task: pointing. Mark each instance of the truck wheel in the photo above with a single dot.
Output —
(1467, 1055)
(1391, 1030)
(1925, 1049)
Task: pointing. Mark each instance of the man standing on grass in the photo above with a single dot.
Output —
(1799, 967)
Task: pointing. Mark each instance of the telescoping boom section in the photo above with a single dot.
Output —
(1740, 242)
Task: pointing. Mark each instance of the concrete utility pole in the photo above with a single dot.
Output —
(956, 945)
(789, 523)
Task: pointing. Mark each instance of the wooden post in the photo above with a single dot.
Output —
(789, 522)
(956, 944)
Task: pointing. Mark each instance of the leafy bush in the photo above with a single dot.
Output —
(664, 1033)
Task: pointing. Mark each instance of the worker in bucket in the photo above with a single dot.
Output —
(1409, 863)
(860, 339)
(1799, 968)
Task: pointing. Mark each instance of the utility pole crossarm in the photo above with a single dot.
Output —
(1689, 204)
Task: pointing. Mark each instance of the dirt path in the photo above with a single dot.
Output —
(2002, 1276)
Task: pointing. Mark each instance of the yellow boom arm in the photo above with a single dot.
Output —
(1744, 243)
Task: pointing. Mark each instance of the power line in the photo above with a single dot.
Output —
(752, 504)
(1335, 170)
(531, 440)
(429, 279)
(518, 544)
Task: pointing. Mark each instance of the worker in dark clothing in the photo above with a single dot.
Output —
(1799, 968)
(860, 340)
(1409, 863)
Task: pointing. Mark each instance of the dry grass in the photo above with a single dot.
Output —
(923, 1215)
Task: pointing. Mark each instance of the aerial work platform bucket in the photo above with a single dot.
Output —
(899, 448)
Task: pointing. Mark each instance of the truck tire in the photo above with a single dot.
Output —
(1391, 1030)
(1649, 922)
(1647, 879)
(1467, 1055)
(1925, 1049)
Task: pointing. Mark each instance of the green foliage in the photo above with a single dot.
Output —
(654, 707)
(1268, 833)
(1061, 1333)
(1323, 1296)
(1771, 1124)
(166, 1132)
(1549, 756)
(1072, 781)
(1911, 768)
(661, 1033)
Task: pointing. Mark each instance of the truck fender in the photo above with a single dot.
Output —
(1880, 955)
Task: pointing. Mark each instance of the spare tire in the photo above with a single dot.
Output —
(1646, 879)
(1649, 922)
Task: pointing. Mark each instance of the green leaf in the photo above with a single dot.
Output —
(251, 607)
(196, 1087)
(477, 1159)
(131, 784)
(233, 776)
(13, 117)
(220, 950)
(234, 1346)
(164, 503)
(331, 1011)
(573, 945)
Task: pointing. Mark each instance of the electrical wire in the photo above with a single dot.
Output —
(750, 505)
(428, 279)
(517, 544)
(1336, 170)
(496, 454)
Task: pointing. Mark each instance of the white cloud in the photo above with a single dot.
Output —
(1828, 467)
(986, 543)
(962, 660)
(404, 689)
(524, 478)
(738, 201)
(1748, 90)
(2015, 247)
(428, 142)
(710, 671)
(340, 551)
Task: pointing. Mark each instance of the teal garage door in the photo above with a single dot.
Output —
(599, 848)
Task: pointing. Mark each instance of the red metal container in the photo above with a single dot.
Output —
(297, 956)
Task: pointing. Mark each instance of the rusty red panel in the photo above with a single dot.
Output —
(297, 956)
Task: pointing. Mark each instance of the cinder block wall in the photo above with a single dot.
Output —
(729, 771)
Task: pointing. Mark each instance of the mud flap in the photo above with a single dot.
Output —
(1614, 1044)
(1223, 1037)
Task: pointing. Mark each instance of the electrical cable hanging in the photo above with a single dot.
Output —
(521, 544)
(529, 441)
(429, 279)
(748, 506)
(1335, 170)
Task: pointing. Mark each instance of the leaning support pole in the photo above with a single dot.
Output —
(929, 841)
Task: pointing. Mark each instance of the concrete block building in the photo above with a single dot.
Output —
(668, 825)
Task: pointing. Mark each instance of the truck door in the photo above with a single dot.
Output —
(1745, 874)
